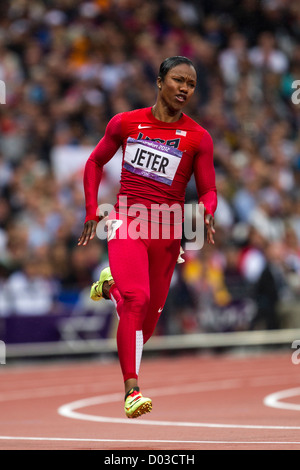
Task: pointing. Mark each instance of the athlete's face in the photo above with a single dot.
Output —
(178, 86)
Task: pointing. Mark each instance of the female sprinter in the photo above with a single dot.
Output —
(162, 147)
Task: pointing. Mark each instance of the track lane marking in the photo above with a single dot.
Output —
(69, 410)
(142, 441)
(274, 399)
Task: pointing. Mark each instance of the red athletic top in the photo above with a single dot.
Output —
(158, 161)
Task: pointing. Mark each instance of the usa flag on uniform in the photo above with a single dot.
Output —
(183, 133)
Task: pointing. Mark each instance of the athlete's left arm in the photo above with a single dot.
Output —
(205, 178)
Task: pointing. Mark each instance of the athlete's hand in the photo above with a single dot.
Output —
(210, 227)
(89, 232)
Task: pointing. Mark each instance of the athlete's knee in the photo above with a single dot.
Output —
(138, 298)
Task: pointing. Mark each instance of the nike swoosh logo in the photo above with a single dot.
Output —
(144, 127)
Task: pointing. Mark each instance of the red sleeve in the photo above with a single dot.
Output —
(205, 177)
(104, 151)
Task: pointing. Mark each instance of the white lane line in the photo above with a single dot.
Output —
(69, 410)
(142, 441)
(274, 399)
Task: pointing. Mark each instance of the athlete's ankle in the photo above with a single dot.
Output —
(130, 384)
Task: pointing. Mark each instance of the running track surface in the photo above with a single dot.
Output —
(199, 403)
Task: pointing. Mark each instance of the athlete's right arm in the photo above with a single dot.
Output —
(104, 151)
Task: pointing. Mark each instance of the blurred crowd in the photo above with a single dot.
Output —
(69, 66)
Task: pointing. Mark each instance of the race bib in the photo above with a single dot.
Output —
(152, 160)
